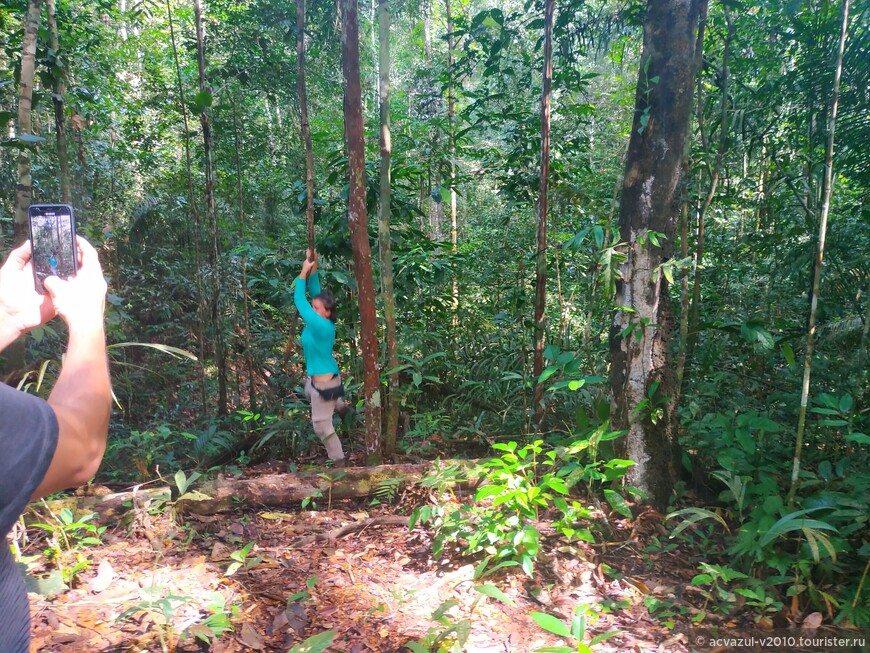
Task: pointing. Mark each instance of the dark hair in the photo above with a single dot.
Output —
(328, 301)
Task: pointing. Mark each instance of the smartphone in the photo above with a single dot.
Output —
(53, 242)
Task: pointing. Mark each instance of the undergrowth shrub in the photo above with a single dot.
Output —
(803, 549)
(525, 489)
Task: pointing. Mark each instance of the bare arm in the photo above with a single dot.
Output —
(81, 397)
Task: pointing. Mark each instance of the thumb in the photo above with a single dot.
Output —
(54, 285)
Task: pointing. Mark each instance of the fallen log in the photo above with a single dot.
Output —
(110, 508)
(222, 494)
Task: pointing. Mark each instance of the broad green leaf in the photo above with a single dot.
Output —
(444, 608)
(316, 643)
(551, 351)
(788, 352)
(416, 647)
(496, 593)
(858, 438)
(547, 373)
(603, 637)
(793, 522)
(618, 503)
(203, 98)
(693, 515)
(551, 624)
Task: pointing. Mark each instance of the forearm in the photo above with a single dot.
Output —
(314, 284)
(305, 311)
(81, 400)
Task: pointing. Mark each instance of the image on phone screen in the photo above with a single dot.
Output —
(52, 233)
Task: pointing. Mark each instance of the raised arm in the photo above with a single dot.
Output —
(314, 284)
(81, 397)
(308, 276)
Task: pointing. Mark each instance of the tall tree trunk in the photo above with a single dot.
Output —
(820, 255)
(358, 222)
(684, 214)
(391, 404)
(211, 211)
(191, 197)
(57, 99)
(14, 354)
(305, 125)
(641, 379)
(25, 104)
(426, 8)
(435, 204)
(543, 188)
(715, 172)
(451, 143)
(246, 313)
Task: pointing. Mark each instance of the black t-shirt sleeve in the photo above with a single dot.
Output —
(28, 439)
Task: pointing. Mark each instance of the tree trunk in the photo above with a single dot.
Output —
(358, 222)
(451, 148)
(541, 259)
(641, 379)
(211, 210)
(305, 125)
(25, 104)
(57, 100)
(191, 197)
(684, 216)
(391, 407)
(820, 255)
(14, 353)
(246, 314)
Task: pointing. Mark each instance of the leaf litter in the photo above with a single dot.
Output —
(355, 570)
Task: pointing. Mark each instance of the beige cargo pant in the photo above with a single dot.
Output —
(322, 411)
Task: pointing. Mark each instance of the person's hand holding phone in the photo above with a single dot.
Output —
(81, 301)
(21, 307)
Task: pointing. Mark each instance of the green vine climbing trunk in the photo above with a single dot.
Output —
(819, 259)
(391, 403)
(543, 191)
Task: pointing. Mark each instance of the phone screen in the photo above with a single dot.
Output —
(53, 241)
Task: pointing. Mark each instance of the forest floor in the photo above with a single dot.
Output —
(373, 583)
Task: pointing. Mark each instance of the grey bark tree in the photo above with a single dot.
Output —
(643, 321)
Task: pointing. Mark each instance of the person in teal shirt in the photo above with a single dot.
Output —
(323, 385)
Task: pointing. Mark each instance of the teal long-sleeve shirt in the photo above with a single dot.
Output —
(318, 336)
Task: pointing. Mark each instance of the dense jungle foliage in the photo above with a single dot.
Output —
(752, 193)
